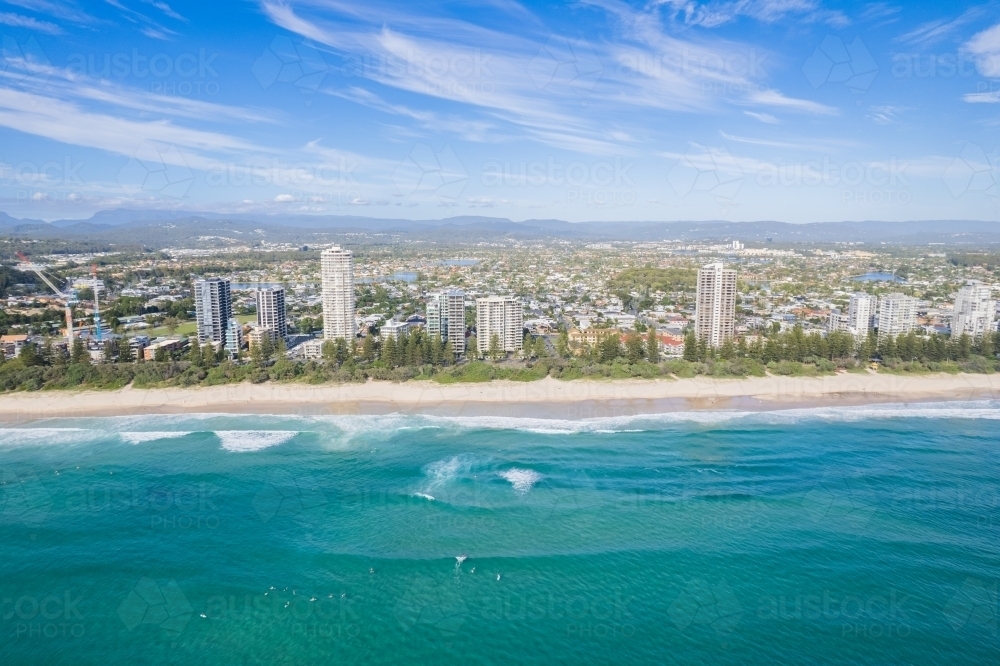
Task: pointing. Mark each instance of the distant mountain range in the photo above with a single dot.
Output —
(180, 227)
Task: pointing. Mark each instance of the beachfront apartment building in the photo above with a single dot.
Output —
(715, 304)
(446, 318)
(337, 277)
(271, 311)
(394, 329)
(234, 337)
(975, 310)
(213, 305)
(897, 313)
(861, 314)
(503, 317)
(859, 318)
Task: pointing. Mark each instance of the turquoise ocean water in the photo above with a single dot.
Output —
(835, 536)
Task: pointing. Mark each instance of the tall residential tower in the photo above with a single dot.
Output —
(213, 307)
(502, 316)
(446, 318)
(715, 305)
(975, 310)
(897, 313)
(271, 311)
(337, 273)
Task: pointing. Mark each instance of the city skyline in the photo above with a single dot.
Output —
(607, 110)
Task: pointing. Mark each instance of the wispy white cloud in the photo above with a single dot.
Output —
(880, 13)
(762, 117)
(166, 9)
(66, 11)
(992, 97)
(777, 99)
(63, 106)
(478, 131)
(535, 83)
(150, 27)
(154, 33)
(18, 21)
(932, 32)
(984, 48)
(884, 114)
(720, 12)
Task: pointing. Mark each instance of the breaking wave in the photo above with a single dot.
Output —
(522, 480)
(242, 441)
(150, 436)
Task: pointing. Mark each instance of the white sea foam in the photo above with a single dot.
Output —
(243, 441)
(342, 429)
(425, 496)
(150, 436)
(47, 436)
(979, 409)
(521, 479)
(441, 472)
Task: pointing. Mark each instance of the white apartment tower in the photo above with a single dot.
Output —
(975, 310)
(861, 314)
(502, 316)
(446, 318)
(715, 305)
(271, 311)
(213, 305)
(337, 273)
(897, 313)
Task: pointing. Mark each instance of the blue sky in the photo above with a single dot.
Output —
(791, 110)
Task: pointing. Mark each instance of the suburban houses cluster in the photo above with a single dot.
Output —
(490, 303)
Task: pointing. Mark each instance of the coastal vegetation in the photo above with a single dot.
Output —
(415, 356)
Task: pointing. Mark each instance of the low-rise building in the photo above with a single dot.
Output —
(590, 337)
(169, 345)
(394, 329)
(258, 334)
(312, 350)
(671, 346)
(12, 344)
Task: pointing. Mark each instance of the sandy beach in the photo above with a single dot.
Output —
(548, 397)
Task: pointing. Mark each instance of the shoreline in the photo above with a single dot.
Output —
(546, 398)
